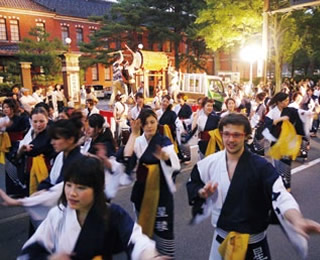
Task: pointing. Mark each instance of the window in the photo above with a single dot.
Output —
(40, 26)
(160, 46)
(3, 30)
(14, 29)
(107, 74)
(64, 34)
(79, 34)
(94, 71)
(41, 29)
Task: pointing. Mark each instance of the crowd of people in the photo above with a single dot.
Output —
(64, 166)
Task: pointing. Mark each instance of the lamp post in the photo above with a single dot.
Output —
(70, 71)
(251, 54)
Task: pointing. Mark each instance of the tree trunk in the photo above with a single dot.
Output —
(216, 62)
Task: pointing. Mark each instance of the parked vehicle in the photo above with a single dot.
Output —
(203, 84)
(98, 90)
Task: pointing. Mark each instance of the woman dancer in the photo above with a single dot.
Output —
(152, 191)
(83, 216)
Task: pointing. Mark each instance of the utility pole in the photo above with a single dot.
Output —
(265, 41)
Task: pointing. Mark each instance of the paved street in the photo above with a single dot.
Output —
(193, 242)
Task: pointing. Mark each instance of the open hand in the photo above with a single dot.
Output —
(160, 154)
(208, 190)
(136, 126)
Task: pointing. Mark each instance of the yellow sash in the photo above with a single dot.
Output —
(148, 210)
(167, 132)
(38, 172)
(215, 138)
(234, 247)
(5, 145)
(288, 143)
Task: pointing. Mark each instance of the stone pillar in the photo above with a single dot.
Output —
(71, 76)
(26, 75)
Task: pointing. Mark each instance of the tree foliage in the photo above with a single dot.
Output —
(162, 21)
(42, 52)
(229, 23)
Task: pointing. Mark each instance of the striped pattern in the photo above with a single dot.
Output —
(165, 246)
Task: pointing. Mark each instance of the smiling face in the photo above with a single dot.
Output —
(208, 108)
(233, 137)
(39, 122)
(231, 105)
(150, 127)
(79, 197)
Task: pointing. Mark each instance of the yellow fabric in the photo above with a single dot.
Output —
(167, 132)
(148, 211)
(234, 247)
(98, 257)
(38, 173)
(215, 138)
(288, 143)
(5, 145)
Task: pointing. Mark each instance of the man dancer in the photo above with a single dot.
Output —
(239, 189)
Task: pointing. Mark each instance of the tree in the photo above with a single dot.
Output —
(229, 23)
(162, 21)
(284, 42)
(42, 52)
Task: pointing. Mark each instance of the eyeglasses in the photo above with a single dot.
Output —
(234, 135)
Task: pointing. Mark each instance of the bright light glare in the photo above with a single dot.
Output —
(140, 46)
(251, 53)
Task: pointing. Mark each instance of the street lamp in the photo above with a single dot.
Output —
(251, 53)
(68, 42)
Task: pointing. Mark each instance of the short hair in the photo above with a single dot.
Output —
(261, 95)
(180, 95)
(206, 100)
(228, 99)
(235, 119)
(144, 114)
(90, 101)
(139, 95)
(96, 121)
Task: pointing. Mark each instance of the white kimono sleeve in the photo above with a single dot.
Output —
(169, 170)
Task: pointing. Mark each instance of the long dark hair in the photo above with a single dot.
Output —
(88, 171)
